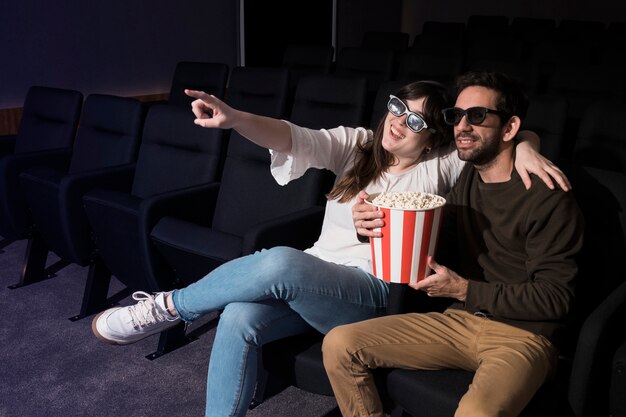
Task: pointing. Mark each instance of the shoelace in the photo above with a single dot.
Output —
(145, 312)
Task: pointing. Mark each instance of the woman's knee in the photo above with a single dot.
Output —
(279, 259)
(241, 320)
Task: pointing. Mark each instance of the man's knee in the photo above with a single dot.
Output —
(336, 346)
(474, 404)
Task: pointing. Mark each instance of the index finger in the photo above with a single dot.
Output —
(197, 94)
(424, 283)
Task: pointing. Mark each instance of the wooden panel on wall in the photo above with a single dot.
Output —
(153, 97)
(10, 120)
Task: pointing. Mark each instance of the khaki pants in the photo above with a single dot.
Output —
(510, 363)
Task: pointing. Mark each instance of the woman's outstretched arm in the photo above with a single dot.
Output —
(267, 132)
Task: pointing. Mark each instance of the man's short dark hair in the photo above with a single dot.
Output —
(511, 97)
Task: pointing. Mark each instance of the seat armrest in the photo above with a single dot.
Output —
(194, 204)
(404, 299)
(298, 230)
(58, 159)
(598, 339)
(116, 178)
(7, 144)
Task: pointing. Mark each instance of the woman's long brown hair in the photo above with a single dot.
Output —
(371, 159)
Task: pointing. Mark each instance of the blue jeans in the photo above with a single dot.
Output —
(267, 296)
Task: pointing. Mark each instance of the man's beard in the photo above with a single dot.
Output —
(482, 155)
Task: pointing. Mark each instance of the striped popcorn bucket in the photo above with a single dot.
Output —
(409, 237)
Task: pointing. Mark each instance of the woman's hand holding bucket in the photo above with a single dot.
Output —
(366, 218)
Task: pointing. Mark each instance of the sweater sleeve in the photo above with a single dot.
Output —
(324, 149)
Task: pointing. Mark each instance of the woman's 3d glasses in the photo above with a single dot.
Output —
(475, 115)
(414, 121)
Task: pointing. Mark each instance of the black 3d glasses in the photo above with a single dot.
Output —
(475, 115)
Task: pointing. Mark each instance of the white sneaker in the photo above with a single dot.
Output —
(124, 325)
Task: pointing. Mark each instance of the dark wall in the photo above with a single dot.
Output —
(131, 47)
(355, 17)
(117, 46)
(271, 25)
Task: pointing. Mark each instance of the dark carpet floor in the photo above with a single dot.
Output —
(51, 366)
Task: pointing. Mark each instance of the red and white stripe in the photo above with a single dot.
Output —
(409, 236)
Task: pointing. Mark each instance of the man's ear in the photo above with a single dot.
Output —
(511, 128)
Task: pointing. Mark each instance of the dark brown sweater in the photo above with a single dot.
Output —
(518, 248)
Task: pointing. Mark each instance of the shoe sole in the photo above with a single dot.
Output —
(100, 337)
(104, 339)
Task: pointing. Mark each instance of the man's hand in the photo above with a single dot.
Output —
(442, 283)
(530, 161)
(366, 217)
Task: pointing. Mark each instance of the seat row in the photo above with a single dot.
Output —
(575, 120)
(107, 183)
(559, 70)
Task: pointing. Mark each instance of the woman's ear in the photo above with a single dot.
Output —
(511, 128)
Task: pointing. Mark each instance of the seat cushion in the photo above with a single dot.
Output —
(112, 200)
(297, 360)
(193, 250)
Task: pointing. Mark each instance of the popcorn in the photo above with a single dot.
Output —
(409, 235)
(408, 200)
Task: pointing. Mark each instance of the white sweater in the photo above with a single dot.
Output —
(333, 149)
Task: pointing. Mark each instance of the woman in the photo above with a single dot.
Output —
(282, 291)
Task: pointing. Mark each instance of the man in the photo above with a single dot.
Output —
(509, 266)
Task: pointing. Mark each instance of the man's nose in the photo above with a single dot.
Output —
(463, 124)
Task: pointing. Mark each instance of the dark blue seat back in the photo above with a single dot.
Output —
(257, 90)
(376, 65)
(547, 117)
(49, 119)
(108, 134)
(327, 101)
(175, 152)
(601, 141)
(209, 77)
(249, 194)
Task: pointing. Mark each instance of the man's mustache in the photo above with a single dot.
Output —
(467, 135)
